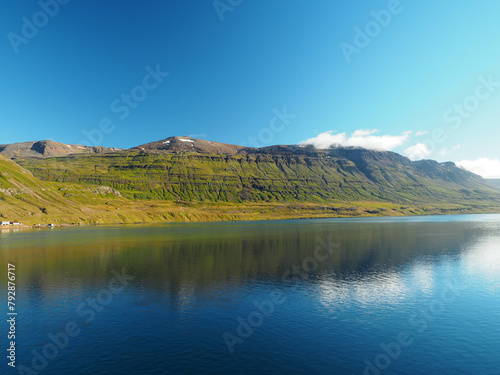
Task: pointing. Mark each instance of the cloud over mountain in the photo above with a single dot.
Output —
(487, 168)
(360, 138)
(418, 151)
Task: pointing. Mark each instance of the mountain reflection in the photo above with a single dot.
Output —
(186, 260)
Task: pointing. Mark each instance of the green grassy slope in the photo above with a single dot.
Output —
(494, 183)
(24, 197)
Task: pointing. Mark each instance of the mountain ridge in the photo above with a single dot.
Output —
(179, 144)
(47, 149)
(185, 179)
(185, 168)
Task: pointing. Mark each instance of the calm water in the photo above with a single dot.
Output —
(341, 296)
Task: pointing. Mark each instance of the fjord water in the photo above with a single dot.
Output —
(418, 295)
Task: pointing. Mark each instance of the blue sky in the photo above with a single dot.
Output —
(257, 72)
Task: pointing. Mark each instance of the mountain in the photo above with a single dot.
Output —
(29, 200)
(47, 149)
(193, 170)
(188, 144)
(188, 179)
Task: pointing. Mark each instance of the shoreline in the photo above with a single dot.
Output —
(218, 218)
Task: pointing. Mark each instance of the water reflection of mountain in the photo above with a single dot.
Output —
(180, 258)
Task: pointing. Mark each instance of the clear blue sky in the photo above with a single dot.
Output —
(227, 76)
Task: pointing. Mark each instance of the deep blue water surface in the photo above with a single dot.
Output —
(407, 296)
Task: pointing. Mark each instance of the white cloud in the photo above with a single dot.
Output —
(421, 132)
(360, 138)
(418, 151)
(487, 168)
